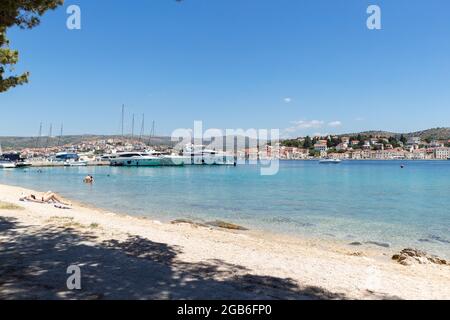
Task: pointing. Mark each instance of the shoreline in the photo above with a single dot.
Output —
(327, 240)
(241, 264)
(349, 242)
(42, 164)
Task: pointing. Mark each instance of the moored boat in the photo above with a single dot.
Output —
(23, 164)
(135, 159)
(173, 160)
(330, 161)
(200, 155)
(7, 164)
(168, 159)
(75, 163)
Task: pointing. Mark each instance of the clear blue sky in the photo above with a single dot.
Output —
(308, 65)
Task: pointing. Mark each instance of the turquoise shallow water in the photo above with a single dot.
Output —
(354, 201)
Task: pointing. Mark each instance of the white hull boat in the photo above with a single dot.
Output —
(75, 164)
(7, 165)
(199, 155)
(135, 159)
(330, 161)
(23, 164)
(171, 160)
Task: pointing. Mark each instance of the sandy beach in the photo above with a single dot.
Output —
(124, 257)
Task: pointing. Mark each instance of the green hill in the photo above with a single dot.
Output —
(435, 133)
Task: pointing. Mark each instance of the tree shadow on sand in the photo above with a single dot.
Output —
(34, 260)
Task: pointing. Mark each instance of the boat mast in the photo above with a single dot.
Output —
(123, 115)
(151, 133)
(39, 135)
(142, 128)
(60, 135)
(49, 136)
(132, 128)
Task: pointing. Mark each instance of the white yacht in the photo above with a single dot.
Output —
(135, 159)
(23, 164)
(4, 164)
(168, 159)
(79, 163)
(108, 157)
(330, 161)
(200, 155)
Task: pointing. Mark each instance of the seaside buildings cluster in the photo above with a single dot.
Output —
(359, 148)
(336, 147)
(88, 150)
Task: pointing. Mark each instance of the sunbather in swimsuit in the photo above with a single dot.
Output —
(47, 197)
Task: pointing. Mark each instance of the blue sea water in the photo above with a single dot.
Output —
(353, 201)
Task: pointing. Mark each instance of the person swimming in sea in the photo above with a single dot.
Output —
(88, 179)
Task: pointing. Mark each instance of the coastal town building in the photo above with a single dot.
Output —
(391, 154)
(292, 153)
(339, 155)
(367, 145)
(320, 146)
(345, 140)
(414, 141)
(342, 146)
(379, 148)
(436, 144)
(354, 143)
(442, 153)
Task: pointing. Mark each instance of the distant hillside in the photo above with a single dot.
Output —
(435, 133)
(371, 133)
(32, 142)
(17, 143)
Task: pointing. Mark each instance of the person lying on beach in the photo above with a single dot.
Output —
(48, 197)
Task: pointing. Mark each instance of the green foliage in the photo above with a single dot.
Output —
(314, 153)
(394, 142)
(306, 143)
(292, 143)
(333, 142)
(25, 14)
(403, 139)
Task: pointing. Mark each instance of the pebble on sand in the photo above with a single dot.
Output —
(409, 256)
(226, 225)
